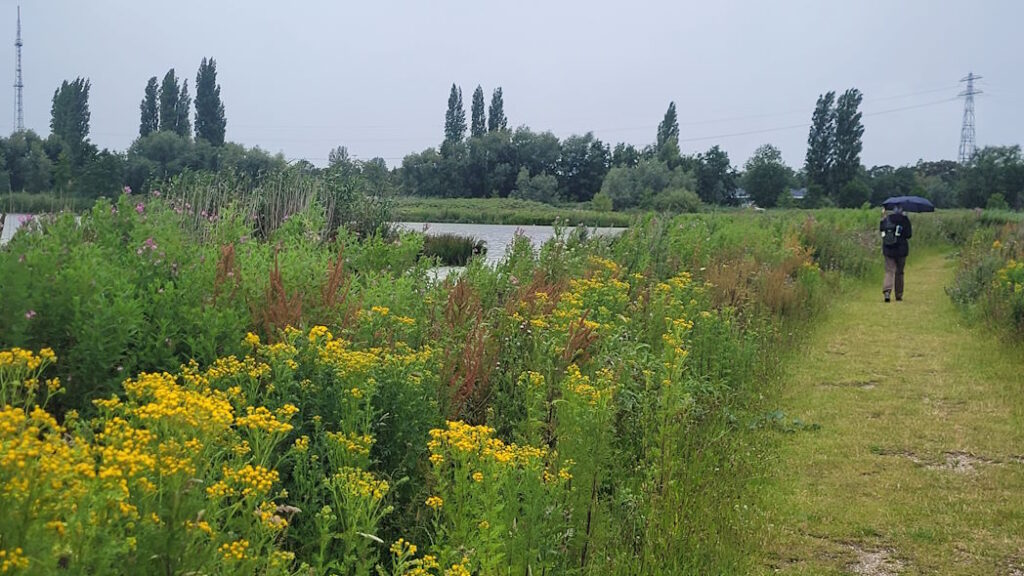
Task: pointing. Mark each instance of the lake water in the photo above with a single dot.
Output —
(497, 236)
(11, 223)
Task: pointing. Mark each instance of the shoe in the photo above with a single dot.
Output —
(886, 298)
(899, 298)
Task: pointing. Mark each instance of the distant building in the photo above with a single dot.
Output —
(798, 193)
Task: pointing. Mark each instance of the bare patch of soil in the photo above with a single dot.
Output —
(875, 562)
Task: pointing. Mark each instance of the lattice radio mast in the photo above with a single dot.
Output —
(19, 113)
(967, 145)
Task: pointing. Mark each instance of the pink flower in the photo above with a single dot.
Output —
(150, 243)
(156, 193)
(30, 314)
(113, 209)
(128, 190)
(24, 219)
(140, 207)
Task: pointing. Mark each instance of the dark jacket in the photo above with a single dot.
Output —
(902, 247)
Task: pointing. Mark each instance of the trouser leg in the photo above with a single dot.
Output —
(890, 275)
(900, 263)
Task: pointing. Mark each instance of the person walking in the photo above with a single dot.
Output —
(895, 230)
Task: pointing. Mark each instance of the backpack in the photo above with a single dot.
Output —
(890, 232)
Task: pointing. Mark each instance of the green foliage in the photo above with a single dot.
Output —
(602, 202)
(853, 194)
(452, 249)
(210, 119)
(636, 187)
(821, 143)
(478, 123)
(847, 144)
(716, 178)
(502, 211)
(496, 120)
(667, 143)
(766, 178)
(677, 200)
(149, 121)
(454, 118)
(539, 188)
(997, 202)
(183, 125)
(169, 108)
(69, 117)
(577, 410)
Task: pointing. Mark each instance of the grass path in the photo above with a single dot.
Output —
(918, 465)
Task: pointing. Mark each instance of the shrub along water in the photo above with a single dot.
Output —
(452, 249)
(201, 396)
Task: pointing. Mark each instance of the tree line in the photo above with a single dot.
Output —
(484, 157)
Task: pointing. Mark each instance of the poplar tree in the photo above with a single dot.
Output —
(210, 119)
(478, 122)
(496, 114)
(149, 121)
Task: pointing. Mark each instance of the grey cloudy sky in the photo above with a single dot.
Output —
(302, 77)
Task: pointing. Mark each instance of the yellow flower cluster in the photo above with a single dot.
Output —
(1011, 276)
(260, 418)
(460, 569)
(591, 391)
(230, 366)
(267, 513)
(403, 548)
(13, 560)
(19, 358)
(161, 398)
(358, 444)
(361, 483)
(479, 442)
(250, 480)
(435, 502)
(234, 550)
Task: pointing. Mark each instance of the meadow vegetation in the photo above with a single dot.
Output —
(187, 389)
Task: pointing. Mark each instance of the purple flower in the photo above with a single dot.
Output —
(150, 244)
(113, 209)
(140, 207)
(24, 219)
(30, 314)
(128, 190)
(156, 193)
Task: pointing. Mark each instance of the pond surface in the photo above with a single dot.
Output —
(497, 236)
(11, 222)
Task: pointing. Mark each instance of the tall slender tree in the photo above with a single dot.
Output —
(847, 143)
(496, 113)
(668, 137)
(478, 124)
(455, 118)
(69, 116)
(820, 139)
(169, 102)
(183, 126)
(210, 119)
(149, 110)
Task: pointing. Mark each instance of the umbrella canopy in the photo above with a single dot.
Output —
(909, 203)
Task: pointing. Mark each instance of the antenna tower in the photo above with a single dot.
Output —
(19, 113)
(967, 145)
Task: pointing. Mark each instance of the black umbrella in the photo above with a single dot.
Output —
(909, 203)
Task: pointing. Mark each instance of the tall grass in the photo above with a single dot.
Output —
(582, 409)
(452, 249)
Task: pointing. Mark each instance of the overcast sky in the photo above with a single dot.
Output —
(302, 77)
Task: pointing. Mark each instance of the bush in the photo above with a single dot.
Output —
(452, 249)
(677, 200)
